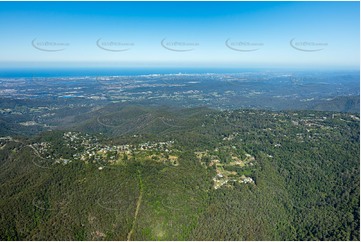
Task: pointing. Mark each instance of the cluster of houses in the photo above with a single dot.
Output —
(89, 149)
(223, 175)
(220, 180)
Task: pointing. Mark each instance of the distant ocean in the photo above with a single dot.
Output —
(81, 72)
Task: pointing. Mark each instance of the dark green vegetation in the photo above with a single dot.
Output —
(305, 168)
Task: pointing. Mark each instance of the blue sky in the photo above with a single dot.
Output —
(323, 34)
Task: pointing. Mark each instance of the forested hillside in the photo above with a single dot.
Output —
(141, 173)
